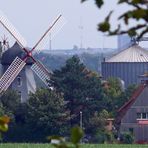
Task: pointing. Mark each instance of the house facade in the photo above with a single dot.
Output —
(133, 116)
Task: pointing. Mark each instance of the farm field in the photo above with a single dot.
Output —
(82, 146)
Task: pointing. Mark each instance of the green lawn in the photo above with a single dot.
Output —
(82, 146)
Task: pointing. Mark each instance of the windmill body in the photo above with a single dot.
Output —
(24, 83)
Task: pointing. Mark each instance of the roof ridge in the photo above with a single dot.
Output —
(133, 97)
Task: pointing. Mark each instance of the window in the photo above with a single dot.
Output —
(131, 130)
(19, 82)
(138, 115)
(20, 94)
(142, 115)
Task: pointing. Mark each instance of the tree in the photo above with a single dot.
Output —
(126, 95)
(42, 115)
(9, 101)
(115, 97)
(81, 89)
(98, 121)
(46, 114)
(98, 125)
(112, 94)
(138, 13)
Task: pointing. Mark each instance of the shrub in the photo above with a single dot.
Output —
(127, 138)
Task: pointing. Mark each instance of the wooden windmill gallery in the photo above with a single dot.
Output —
(18, 64)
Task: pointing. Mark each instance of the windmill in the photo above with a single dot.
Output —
(19, 63)
(4, 43)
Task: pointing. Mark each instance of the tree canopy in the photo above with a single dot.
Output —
(81, 89)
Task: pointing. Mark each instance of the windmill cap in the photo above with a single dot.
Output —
(10, 54)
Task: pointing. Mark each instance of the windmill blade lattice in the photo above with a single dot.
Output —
(41, 72)
(11, 73)
(52, 33)
(12, 30)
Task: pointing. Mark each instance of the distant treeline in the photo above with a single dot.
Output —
(92, 61)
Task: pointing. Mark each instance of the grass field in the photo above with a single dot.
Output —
(82, 146)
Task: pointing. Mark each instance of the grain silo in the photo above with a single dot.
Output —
(127, 65)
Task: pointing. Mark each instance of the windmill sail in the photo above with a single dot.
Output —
(18, 64)
(52, 31)
(12, 30)
(11, 73)
(41, 72)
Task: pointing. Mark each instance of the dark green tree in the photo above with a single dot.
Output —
(115, 96)
(112, 94)
(46, 114)
(81, 89)
(42, 115)
(125, 96)
(9, 101)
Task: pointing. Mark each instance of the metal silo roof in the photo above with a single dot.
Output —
(132, 54)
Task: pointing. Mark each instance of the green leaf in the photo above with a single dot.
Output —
(4, 123)
(122, 1)
(136, 1)
(104, 27)
(140, 13)
(132, 33)
(83, 1)
(4, 120)
(76, 135)
(99, 3)
(3, 127)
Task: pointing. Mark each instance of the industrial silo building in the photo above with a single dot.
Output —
(126, 65)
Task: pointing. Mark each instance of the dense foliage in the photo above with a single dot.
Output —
(81, 88)
(42, 115)
(77, 96)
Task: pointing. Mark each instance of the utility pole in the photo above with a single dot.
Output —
(81, 120)
(50, 42)
(81, 36)
(81, 28)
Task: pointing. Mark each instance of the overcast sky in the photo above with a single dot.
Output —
(32, 18)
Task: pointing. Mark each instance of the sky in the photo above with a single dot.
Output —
(33, 17)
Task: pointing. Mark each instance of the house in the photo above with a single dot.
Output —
(133, 115)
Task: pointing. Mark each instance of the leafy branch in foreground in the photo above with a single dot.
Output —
(4, 121)
(139, 12)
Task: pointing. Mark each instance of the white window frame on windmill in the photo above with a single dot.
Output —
(19, 81)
